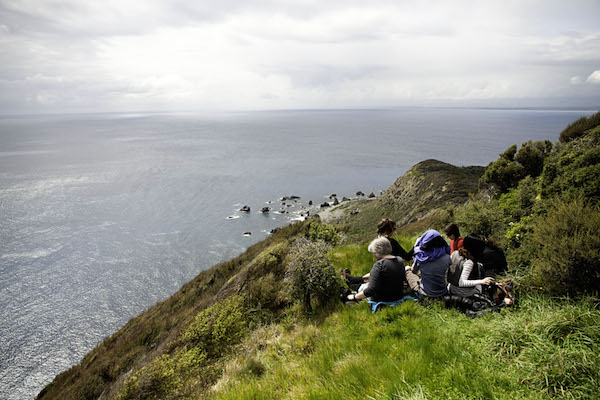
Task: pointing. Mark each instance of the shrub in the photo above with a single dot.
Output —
(480, 217)
(310, 274)
(518, 202)
(578, 128)
(575, 165)
(503, 174)
(531, 156)
(568, 256)
(215, 329)
(324, 232)
(154, 381)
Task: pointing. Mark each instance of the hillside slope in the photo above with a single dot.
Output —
(257, 275)
(418, 195)
(236, 331)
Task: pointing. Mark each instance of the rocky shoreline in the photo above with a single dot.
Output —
(295, 209)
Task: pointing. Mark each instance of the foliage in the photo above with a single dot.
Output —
(567, 260)
(215, 329)
(574, 166)
(480, 217)
(578, 128)
(519, 202)
(531, 156)
(324, 232)
(512, 166)
(310, 274)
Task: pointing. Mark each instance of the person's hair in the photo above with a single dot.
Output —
(452, 229)
(386, 225)
(491, 241)
(474, 245)
(380, 247)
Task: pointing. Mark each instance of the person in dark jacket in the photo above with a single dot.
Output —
(386, 228)
(386, 279)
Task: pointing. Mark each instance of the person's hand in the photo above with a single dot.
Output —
(366, 277)
(351, 297)
(487, 281)
(408, 268)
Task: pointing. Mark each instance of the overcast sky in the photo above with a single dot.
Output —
(128, 55)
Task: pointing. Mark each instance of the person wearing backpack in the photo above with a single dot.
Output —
(464, 276)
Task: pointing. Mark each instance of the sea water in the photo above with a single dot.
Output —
(103, 215)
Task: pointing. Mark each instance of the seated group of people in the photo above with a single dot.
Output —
(438, 269)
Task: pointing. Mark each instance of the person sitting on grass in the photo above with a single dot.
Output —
(427, 276)
(464, 277)
(386, 279)
(386, 228)
(453, 233)
(353, 282)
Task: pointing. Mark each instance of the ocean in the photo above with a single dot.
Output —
(103, 215)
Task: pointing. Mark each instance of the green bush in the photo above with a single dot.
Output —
(324, 232)
(573, 167)
(157, 380)
(217, 328)
(531, 156)
(310, 275)
(518, 202)
(503, 174)
(512, 166)
(578, 128)
(480, 217)
(567, 260)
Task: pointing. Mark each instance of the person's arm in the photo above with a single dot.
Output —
(398, 250)
(357, 296)
(464, 276)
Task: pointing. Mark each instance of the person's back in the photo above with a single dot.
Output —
(433, 276)
(432, 259)
(386, 282)
(462, 269)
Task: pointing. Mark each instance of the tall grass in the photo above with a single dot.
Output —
(544, 349)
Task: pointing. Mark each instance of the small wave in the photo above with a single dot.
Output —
(24, 153)
(39, 253)
(233, 217)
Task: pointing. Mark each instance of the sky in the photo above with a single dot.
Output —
(176, 55)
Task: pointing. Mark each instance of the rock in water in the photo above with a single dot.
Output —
(371, 195)
(359, 193)
(245, 209)
(265, 210)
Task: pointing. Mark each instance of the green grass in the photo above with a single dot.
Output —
(543, 349)
(357, 257)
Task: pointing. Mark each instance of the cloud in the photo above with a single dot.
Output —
(135, 55)
(576, 80)
(594, 77)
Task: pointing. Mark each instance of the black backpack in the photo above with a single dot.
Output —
(493, 260)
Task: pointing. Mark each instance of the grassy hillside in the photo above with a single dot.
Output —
(268, 324)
